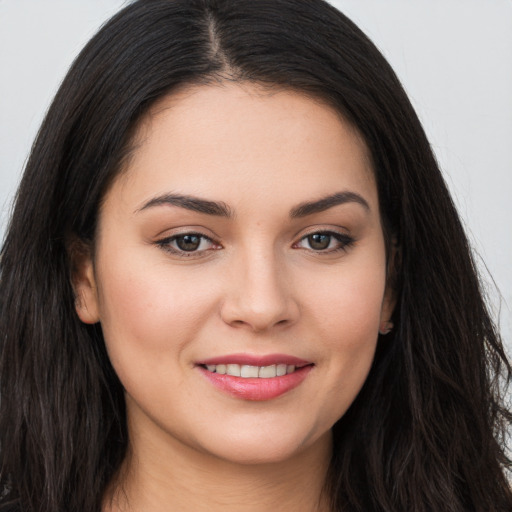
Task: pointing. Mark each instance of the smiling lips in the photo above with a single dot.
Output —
(255, 378)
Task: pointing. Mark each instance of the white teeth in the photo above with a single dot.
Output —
(281, 370)
(266, 372)
(248, 371)
(233, 369)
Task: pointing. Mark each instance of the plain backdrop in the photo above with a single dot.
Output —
(454, 58)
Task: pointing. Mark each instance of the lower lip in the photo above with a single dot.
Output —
(255, 388)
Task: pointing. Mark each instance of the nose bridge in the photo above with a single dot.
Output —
(260, 295)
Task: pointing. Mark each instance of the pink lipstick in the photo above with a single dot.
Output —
(255, 378)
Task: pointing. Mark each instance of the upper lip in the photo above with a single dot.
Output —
(255, 360)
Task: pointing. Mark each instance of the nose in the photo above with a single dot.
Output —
(260, 294)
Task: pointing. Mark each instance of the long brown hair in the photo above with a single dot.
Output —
(426, 432)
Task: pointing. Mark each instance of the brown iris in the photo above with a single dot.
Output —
(188, 242)
(319, 241)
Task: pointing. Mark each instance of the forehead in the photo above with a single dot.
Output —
(213, 140)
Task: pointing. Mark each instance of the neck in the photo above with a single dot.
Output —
(169, 476)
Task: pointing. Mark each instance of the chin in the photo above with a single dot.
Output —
(267, 448)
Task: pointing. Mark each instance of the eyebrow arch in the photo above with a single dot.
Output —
(195, 204)
(320, 205)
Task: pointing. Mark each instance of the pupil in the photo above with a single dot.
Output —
(319, 241)
(188, 242)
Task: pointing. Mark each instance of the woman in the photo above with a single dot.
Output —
(234, 278)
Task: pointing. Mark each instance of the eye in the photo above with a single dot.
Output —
(325, 241)
(187, 244)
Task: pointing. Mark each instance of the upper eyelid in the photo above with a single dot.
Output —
(186, 230)
(327, 230)
(316, 227)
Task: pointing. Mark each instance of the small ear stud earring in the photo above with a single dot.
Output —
(385, 328)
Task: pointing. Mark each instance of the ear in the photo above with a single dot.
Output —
(388, 302)
(84, 282)
(390, 294)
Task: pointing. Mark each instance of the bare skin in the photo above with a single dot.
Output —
(283, 258)
(196, 482)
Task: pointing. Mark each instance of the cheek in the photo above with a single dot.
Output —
(147, 315)
(346, 315)
(349, 302)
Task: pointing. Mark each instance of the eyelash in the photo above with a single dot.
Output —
(165, 244)
(344, 243)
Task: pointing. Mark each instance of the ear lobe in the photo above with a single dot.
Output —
(84, 283)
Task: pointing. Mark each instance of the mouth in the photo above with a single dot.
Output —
(253, 377)
(251, 372)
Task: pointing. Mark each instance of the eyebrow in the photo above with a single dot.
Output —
(195, 204)
(320, 205)
(221, 209)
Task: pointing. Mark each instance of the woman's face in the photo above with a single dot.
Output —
(244, 236)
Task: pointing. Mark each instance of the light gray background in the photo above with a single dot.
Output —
(454, 58)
